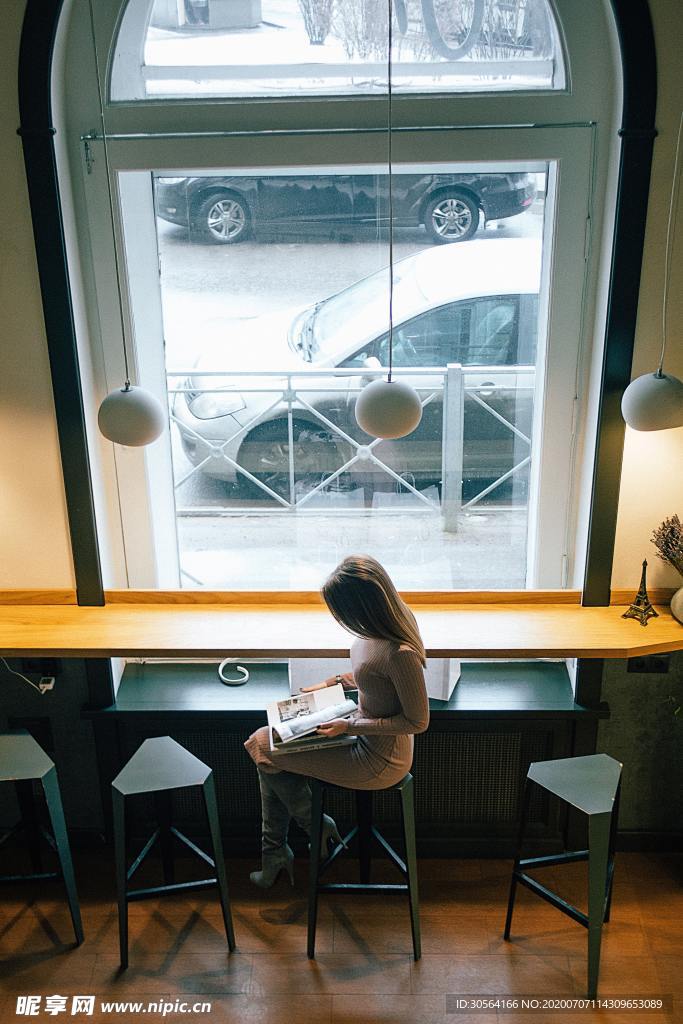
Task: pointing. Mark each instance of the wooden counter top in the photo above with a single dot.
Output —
(274, 631)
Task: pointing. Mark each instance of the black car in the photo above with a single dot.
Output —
(226, 210)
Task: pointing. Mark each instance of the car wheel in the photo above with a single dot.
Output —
(265, 454)
(452, 217)
(222, 218)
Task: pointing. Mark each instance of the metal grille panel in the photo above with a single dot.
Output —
(461, 779)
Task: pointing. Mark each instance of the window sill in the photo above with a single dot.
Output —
(484, 691)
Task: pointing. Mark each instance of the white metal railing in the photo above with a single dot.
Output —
(290, 388)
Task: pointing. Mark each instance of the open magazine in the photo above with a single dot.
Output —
(292, 722)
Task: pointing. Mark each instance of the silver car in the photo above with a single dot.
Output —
(474, 304)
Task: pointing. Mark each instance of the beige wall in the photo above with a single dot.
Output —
(34, 541)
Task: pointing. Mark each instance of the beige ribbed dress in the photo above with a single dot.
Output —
(392, 706)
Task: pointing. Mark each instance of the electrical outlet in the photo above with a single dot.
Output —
(46, 683)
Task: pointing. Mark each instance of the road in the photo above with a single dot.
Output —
(202, 284)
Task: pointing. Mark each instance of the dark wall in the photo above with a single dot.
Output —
(56, 723)
(644, 733)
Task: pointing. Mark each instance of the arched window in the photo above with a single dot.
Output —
(250, 194)
(209, 48)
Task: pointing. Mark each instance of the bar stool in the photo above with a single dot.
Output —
(366, 831)
(592, 785)
(24, 762)
(159, 766)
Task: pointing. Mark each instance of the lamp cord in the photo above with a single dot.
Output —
(391, 192)
(117, 266)
(670, 232)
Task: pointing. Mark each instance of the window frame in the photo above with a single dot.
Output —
(146, 518)
(635, 152)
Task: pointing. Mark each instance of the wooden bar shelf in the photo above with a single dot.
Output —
(272, 630)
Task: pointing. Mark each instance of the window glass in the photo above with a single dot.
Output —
(494, 331)
(200, 48)
(275, 290)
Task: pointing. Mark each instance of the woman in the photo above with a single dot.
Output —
(388, 660)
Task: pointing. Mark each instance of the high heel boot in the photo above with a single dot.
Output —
(328, 835)
(276, 855)
(272, 863)
(285, 795)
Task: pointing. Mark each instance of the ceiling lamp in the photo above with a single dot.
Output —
(389, 408)
(655, 400)
(131, 416)
(128, 415)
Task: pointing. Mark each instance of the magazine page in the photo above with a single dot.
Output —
(312, 741)
(302, 713)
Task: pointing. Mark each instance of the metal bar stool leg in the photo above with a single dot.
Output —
(364, 819)
(408, 818)
(119, 809)
(526, 799)
(163, 808)
(29, 819)
(56, 812)
(209, 791)
(612, 847)
(598, 858)
(317, 803)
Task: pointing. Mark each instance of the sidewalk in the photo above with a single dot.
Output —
(286, 551)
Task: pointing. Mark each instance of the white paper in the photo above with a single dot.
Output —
(441, 675)
(311, 671)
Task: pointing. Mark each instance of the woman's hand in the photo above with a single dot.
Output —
(337, 727)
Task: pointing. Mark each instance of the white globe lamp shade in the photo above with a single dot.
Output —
(653, 402)
(388, 409)
(131, 416)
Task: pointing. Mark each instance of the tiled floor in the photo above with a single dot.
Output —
(364, 971)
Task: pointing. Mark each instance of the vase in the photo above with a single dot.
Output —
(677, 605)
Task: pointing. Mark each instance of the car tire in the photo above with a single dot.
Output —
(264, 453)
(222, 218)
(452, 217)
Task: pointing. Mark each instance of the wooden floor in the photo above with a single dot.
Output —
(364, 970)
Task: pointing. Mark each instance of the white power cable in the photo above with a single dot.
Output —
(41, 689)
(242, 678)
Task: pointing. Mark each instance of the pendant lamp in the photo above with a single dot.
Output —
(129, 415)
(389, 408)
(654, 401)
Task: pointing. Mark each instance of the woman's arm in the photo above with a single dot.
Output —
(345, 678)
(407, 675)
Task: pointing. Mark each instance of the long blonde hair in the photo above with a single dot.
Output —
(362, 598)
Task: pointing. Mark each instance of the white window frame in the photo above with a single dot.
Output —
(148, 522)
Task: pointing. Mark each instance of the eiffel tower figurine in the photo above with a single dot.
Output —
(641, 607)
